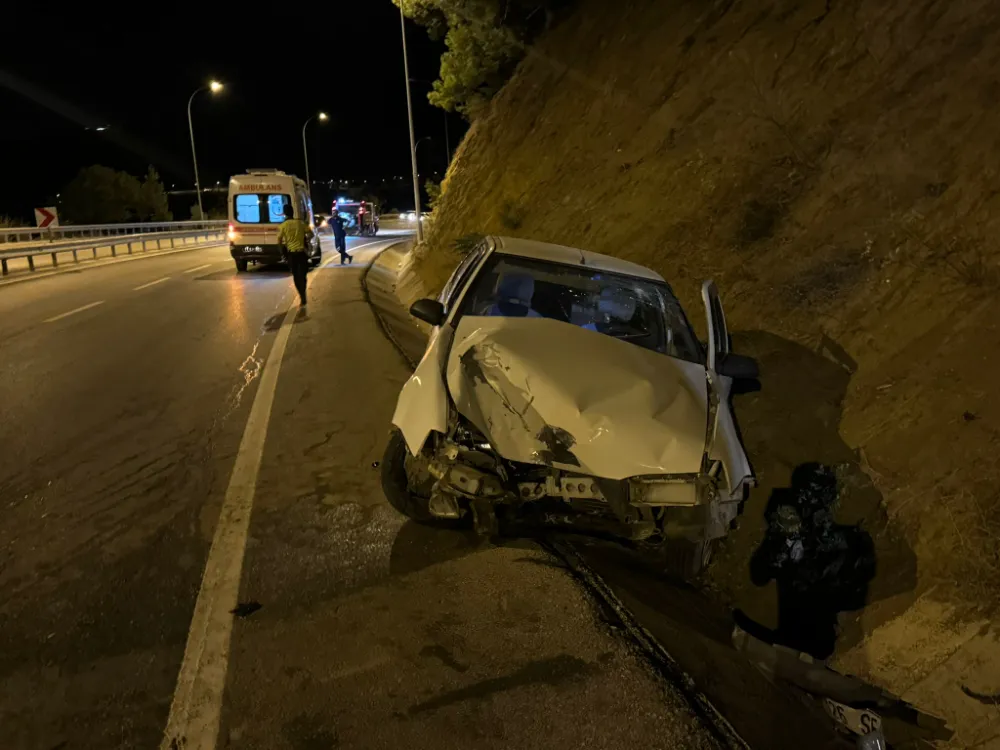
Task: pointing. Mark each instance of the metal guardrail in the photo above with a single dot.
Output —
(94, 244)
(50, 234)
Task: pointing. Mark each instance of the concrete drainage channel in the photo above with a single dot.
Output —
(684, 637)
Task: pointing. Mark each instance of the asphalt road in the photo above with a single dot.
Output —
(143, 402)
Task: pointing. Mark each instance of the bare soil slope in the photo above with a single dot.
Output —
(834, 167)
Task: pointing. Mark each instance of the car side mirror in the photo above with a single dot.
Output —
(738, 367)
(428, 310)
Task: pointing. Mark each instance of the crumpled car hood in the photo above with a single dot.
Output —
(551, 393)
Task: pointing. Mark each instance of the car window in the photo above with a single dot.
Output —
(460, 277)
(260, 208)
(639, 311)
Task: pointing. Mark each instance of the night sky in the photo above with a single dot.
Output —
(134, 76)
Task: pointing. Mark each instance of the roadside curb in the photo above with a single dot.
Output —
(379, 318)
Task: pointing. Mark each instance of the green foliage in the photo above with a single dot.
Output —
(152, 202)
(9, 222)
(475, 66)
(433, 190)
(101, 195)
(484, 39)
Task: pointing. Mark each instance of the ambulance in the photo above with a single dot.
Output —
(257, 202)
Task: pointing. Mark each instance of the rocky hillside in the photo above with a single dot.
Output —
(835, 167)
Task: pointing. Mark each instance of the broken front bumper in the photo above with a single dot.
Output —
(673, 506)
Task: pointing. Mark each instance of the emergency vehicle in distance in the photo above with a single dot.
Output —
(360, 217)
(257, 203)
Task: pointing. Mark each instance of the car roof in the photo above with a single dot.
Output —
(571, 256)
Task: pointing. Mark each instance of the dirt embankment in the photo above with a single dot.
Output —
(835, 167)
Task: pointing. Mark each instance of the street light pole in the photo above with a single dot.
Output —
(413, 144)
(305, 149)
(214, 87)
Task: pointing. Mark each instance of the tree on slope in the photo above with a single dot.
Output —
(485, 39)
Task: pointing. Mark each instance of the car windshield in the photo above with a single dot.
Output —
(639, 311)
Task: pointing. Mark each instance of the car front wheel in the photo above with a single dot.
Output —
(396, 483)
(686, 559)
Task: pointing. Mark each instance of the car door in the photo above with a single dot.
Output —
(724, 443)
(423, 402)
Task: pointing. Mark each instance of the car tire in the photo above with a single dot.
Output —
(686, 559)
(241, 266)
(396, 483)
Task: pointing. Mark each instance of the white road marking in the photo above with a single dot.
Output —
(151, 283)
(198, 268)
(196, 710)
(73, 312)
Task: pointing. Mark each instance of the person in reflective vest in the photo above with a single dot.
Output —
(292, 237)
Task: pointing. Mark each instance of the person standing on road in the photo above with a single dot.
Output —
(292, 237)
(340, 238)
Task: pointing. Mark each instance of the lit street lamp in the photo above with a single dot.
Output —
(305, 151)
(215, 87)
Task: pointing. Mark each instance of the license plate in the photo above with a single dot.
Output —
(858, 720)
(253, 249)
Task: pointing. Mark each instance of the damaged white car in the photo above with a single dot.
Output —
(565, 386)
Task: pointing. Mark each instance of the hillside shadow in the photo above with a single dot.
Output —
(819, 549)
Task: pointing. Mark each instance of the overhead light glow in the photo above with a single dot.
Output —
(215, 86)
